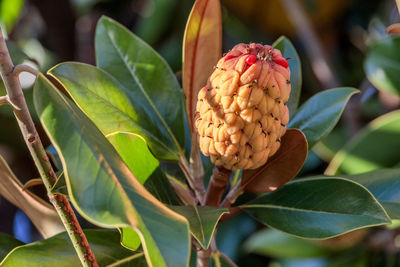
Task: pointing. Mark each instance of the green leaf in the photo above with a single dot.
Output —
(129, 238)
(133, 150)
(135, 153)
(376, 146)
(10, 11)
(317, 117)
(202, 221)
(100, 185)
(114, 108)
(152, 85)
(8, 243)
(153, 24)
(288, 51)
(273, 243)
(382, 64)
(385, 186)
(58, 251)
(318, 208)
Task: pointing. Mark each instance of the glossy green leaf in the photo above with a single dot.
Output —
(58, 251)
(385, 186)
(135, 153)
(376, 146)
(202, 221)
(154, 23)
(317, 117)
(152, 86)
(288, 51)
(100, 185)
(112, 107)
(318, 208)
(8, 243)
(273, 243)
(129, 238)
(382, 64)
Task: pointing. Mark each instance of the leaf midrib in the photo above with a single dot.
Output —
(256, 206)
(172, 136)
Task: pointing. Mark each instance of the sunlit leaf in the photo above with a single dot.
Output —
(101, 186)
(382, 64)
(376, 146)
(150, 86)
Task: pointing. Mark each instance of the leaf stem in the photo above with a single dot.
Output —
(233, 194)
(196, 185)
(24, 68)
(38, 153)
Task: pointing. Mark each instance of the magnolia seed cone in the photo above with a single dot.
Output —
(242, 113)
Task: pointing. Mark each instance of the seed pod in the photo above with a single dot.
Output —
(241, 112)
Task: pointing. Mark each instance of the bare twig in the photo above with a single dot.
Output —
(307, 35)
(24, 68)
(5, 100)
(217, 186)
(40, 157)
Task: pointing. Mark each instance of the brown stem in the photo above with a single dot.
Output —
(233, 194)
(42, 162)
(217, 186)
(203, 258)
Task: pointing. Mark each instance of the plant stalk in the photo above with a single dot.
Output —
(197, 187)
(16, 99)
(203, 258)
(217, 186)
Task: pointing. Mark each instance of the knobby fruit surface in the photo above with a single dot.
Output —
(241, 112)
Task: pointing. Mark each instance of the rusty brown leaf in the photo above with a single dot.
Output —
(281, 167)
(202, 46)
(393, 29)
(42, 214)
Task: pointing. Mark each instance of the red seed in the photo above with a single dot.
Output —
(251, 59)
(281, 61)
(229, 57)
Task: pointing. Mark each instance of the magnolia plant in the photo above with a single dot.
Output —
(128, 142)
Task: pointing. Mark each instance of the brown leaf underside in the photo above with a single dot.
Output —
(202, 49)
(281, 167)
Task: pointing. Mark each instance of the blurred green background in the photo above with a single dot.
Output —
(333, 46)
